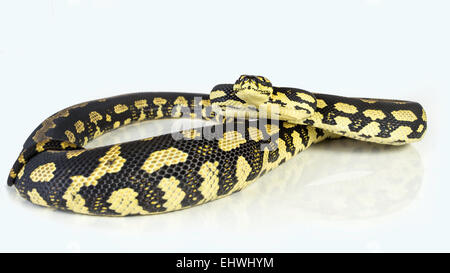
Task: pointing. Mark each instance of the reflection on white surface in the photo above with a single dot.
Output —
(347, 179)
(333, 180)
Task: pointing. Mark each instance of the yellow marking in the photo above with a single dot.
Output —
(172, 193)
(204, 150)
(108, 118)
(120, 108)
(243, 170)
(317, 118)
(79, 126)
(272, 129)
(424, 115)
(346, 108)
(191, 134)
(95, 117)
(142, 116)
(70, 136)
(12, 174)
(43, 173)
(112, 162)
(162, 158)
(127, 121)
(181, 101)
(255, 134)
(210, 184)
(124, 202)
(160, 102)
(267, 166)
(371, 129)
(36, 198)
(289, 125)
(297, 141)
(22, 159)
(306, 97)
(312, 135)
(289, 109)
(374, 114)
(231, 140)
(65, 145)
(321, 103)
(98, 132)
(140, 104)
(217, 94)
(261, 78)
(401, 133)
(74, 153)
(342, 123)
(252, 96)
(116, 124)
(20, 174)
(404, 115)
(369, 100)
(205, 103)
(420, 129)
(40, 145)
(234, 103)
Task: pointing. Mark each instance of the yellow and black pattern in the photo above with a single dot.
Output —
(254, 96)
(163, 174)
(381, 121)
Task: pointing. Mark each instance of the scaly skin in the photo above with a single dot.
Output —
(164, 173)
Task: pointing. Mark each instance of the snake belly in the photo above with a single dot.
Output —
(163, 173)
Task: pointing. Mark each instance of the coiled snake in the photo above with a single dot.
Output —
(259, 127)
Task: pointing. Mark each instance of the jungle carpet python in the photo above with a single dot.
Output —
(259, 127)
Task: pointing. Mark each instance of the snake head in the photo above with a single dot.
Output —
(254, 90)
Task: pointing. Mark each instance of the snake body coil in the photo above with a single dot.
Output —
(167, 173)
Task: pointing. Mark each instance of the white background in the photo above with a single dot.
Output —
(337, 196)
